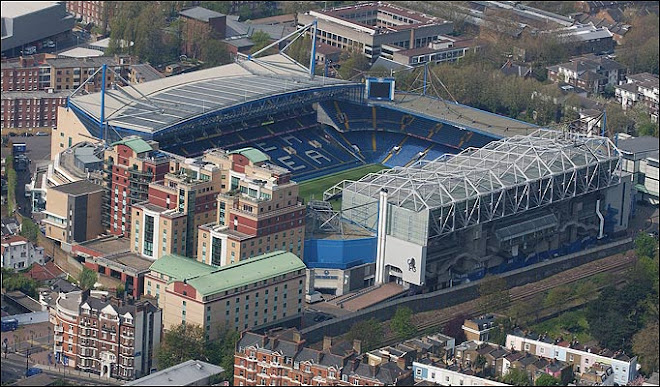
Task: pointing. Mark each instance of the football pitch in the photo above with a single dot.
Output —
(313, 189)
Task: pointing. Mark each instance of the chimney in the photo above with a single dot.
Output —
(357, 346)
(327, 343)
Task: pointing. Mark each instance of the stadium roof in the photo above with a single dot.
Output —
(164, 103)
(516, 163)
(461, 116)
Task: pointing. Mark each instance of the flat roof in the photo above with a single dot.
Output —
(159, 104)
(127, 260)
(211, 280)
(187, 373)
(13, 9)
(81, 52)
(638, 144)
(78, 188)
(108, 245)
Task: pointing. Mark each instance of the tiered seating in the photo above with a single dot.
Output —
(409, 151)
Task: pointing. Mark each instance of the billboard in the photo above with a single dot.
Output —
(409, 258)
(380, 88)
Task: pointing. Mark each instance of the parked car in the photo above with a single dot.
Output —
(29, 50)
(41, 134)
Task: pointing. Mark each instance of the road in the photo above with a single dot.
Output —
(38, 152)
(13, 368)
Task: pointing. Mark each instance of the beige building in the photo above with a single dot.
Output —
(157, 231)
(258, 210)
(248, 294)
(73, 212)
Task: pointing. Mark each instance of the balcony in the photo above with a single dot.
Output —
(59, 329)
(58, 348)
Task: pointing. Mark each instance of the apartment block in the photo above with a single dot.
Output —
(258, 210)
(367, 27)
(18, 253)
(591, 73)
(244, 295)
(582, 358)
(640, 88)
(73, 212)
(95, 12)
(130, 166)
(104, 337)
(640, 158)
(280, 358)
(31, 109)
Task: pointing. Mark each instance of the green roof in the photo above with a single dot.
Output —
(255, 155)
(179, 267)
(210, 280)
(137, 144)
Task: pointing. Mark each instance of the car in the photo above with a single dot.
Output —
(27, 134)
(12, 134)
(41, 134)
(49, 43)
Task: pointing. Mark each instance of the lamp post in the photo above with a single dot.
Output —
(27, 353)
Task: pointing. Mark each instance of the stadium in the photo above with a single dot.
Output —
(433, 193)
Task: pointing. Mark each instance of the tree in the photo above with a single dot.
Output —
(585, 290)
(369, 332)
(547, 380)
(502, 327)
(120, 291)
(645, 245)
(517, 377)
(260, 40)
(479, 363)
(401, 323)
(15, 281)
(181, 343)
(215, 53)
(645, 345)
(353, 66)
(557, 296)
(87, 279)
(221, 351)
(494, 294)
(29, 230)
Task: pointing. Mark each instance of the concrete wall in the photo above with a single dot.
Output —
(31, 318)
(462, 293)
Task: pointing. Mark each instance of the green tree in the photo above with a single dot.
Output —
(17, 281)
(215, 53)
(120, 290)
(617, 121)
(517, 377)
(494, 294)
(645, 346)
(502, 327)
(402, 324)
(353, 66)
(557, 296)
(645, 245)
(585, 290)
(87, 279)
(221, 350)
(29, 230)
(453, 328)
(547, 380)
(260, 39)
(181, 343)
(369, 332)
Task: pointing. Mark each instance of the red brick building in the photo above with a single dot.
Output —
(131, 165)
(280, 358)
(199, 25)
(105, 338)
(91, 11)
(34, 109)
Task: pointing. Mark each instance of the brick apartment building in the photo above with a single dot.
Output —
(280, 358)
(131, 164)
(258, 210)
(201, 24)
(105, 338)
(34, 86)
(95, 12)
(241, 296)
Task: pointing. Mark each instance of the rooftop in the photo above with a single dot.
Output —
(136, 143)
(200, 13)
(163, 103)
(82, 62)
(81, 52)
(253, 154)
(635, 145)
(107, 245)
(187, 373)
(211, 280)
(78, 188)
(14, 9)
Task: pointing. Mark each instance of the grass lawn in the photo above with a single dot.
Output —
(313, 189)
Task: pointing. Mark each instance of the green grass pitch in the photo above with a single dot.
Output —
(313, 189)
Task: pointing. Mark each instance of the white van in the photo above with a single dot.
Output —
(313, 297)
(29, 50)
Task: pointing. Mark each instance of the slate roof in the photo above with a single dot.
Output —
(200, 13)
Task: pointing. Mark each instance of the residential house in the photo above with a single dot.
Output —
(592, 73)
